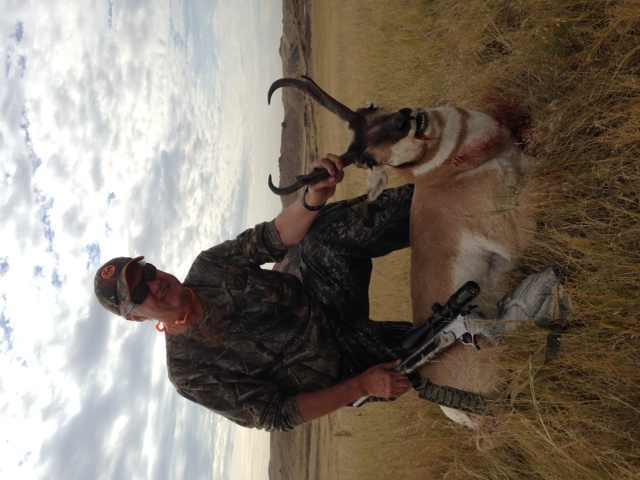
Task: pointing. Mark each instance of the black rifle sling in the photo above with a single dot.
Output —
(454, 398)
(470, 402)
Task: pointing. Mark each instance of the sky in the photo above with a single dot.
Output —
(127, 127)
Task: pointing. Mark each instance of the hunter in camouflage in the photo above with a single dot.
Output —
(267, 337)
(264, 342)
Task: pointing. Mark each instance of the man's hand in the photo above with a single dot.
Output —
(382, 381)
(294, 222)
(379, 381)
(322, 191)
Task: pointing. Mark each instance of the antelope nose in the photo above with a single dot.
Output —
(403, 118)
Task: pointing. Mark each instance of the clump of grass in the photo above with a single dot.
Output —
(574, 68)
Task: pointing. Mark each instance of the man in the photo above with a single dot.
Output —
(260, 347)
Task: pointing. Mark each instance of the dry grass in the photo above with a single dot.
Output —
(574, 67)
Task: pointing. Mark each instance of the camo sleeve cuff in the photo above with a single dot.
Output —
(272, 241)
(295, 418)
(281, 414)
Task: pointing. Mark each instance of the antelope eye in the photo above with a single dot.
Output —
(370, 162)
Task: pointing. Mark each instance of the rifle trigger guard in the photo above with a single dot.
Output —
(470, 340)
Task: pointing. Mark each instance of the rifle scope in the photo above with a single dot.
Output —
(450, 311)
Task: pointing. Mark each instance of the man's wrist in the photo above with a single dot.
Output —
(359, 386)
(311, 208)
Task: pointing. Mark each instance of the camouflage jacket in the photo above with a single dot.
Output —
(263, 339)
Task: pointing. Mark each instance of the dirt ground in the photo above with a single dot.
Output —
(308, 451)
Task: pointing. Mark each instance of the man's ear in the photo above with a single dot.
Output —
(136, 318)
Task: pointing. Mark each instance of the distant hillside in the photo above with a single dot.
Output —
(290, 451)
(297, 128)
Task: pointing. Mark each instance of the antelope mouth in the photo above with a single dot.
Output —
(422, 123)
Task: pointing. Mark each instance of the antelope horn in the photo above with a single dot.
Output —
(310, 178)
(312, 90)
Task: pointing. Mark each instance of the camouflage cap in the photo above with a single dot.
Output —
(110, 283)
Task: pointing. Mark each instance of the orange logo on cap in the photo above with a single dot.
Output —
(108, 271)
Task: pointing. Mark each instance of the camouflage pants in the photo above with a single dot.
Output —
(336, 269)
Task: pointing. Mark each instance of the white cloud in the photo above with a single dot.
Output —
(125, 128)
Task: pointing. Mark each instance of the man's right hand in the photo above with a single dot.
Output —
(379, 381)
(382, 381)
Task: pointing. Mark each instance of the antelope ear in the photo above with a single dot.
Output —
(376, 181)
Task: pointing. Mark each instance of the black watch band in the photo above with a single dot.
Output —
(309, 207)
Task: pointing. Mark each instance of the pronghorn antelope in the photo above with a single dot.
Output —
(468, 220)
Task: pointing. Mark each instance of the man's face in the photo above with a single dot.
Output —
(166, 301)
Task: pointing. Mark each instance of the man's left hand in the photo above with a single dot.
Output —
(322, 191)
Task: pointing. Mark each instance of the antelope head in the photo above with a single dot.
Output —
(443, 141)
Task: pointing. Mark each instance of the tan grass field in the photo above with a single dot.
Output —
(574, 67)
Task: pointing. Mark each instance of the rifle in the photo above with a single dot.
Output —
(446, 325)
